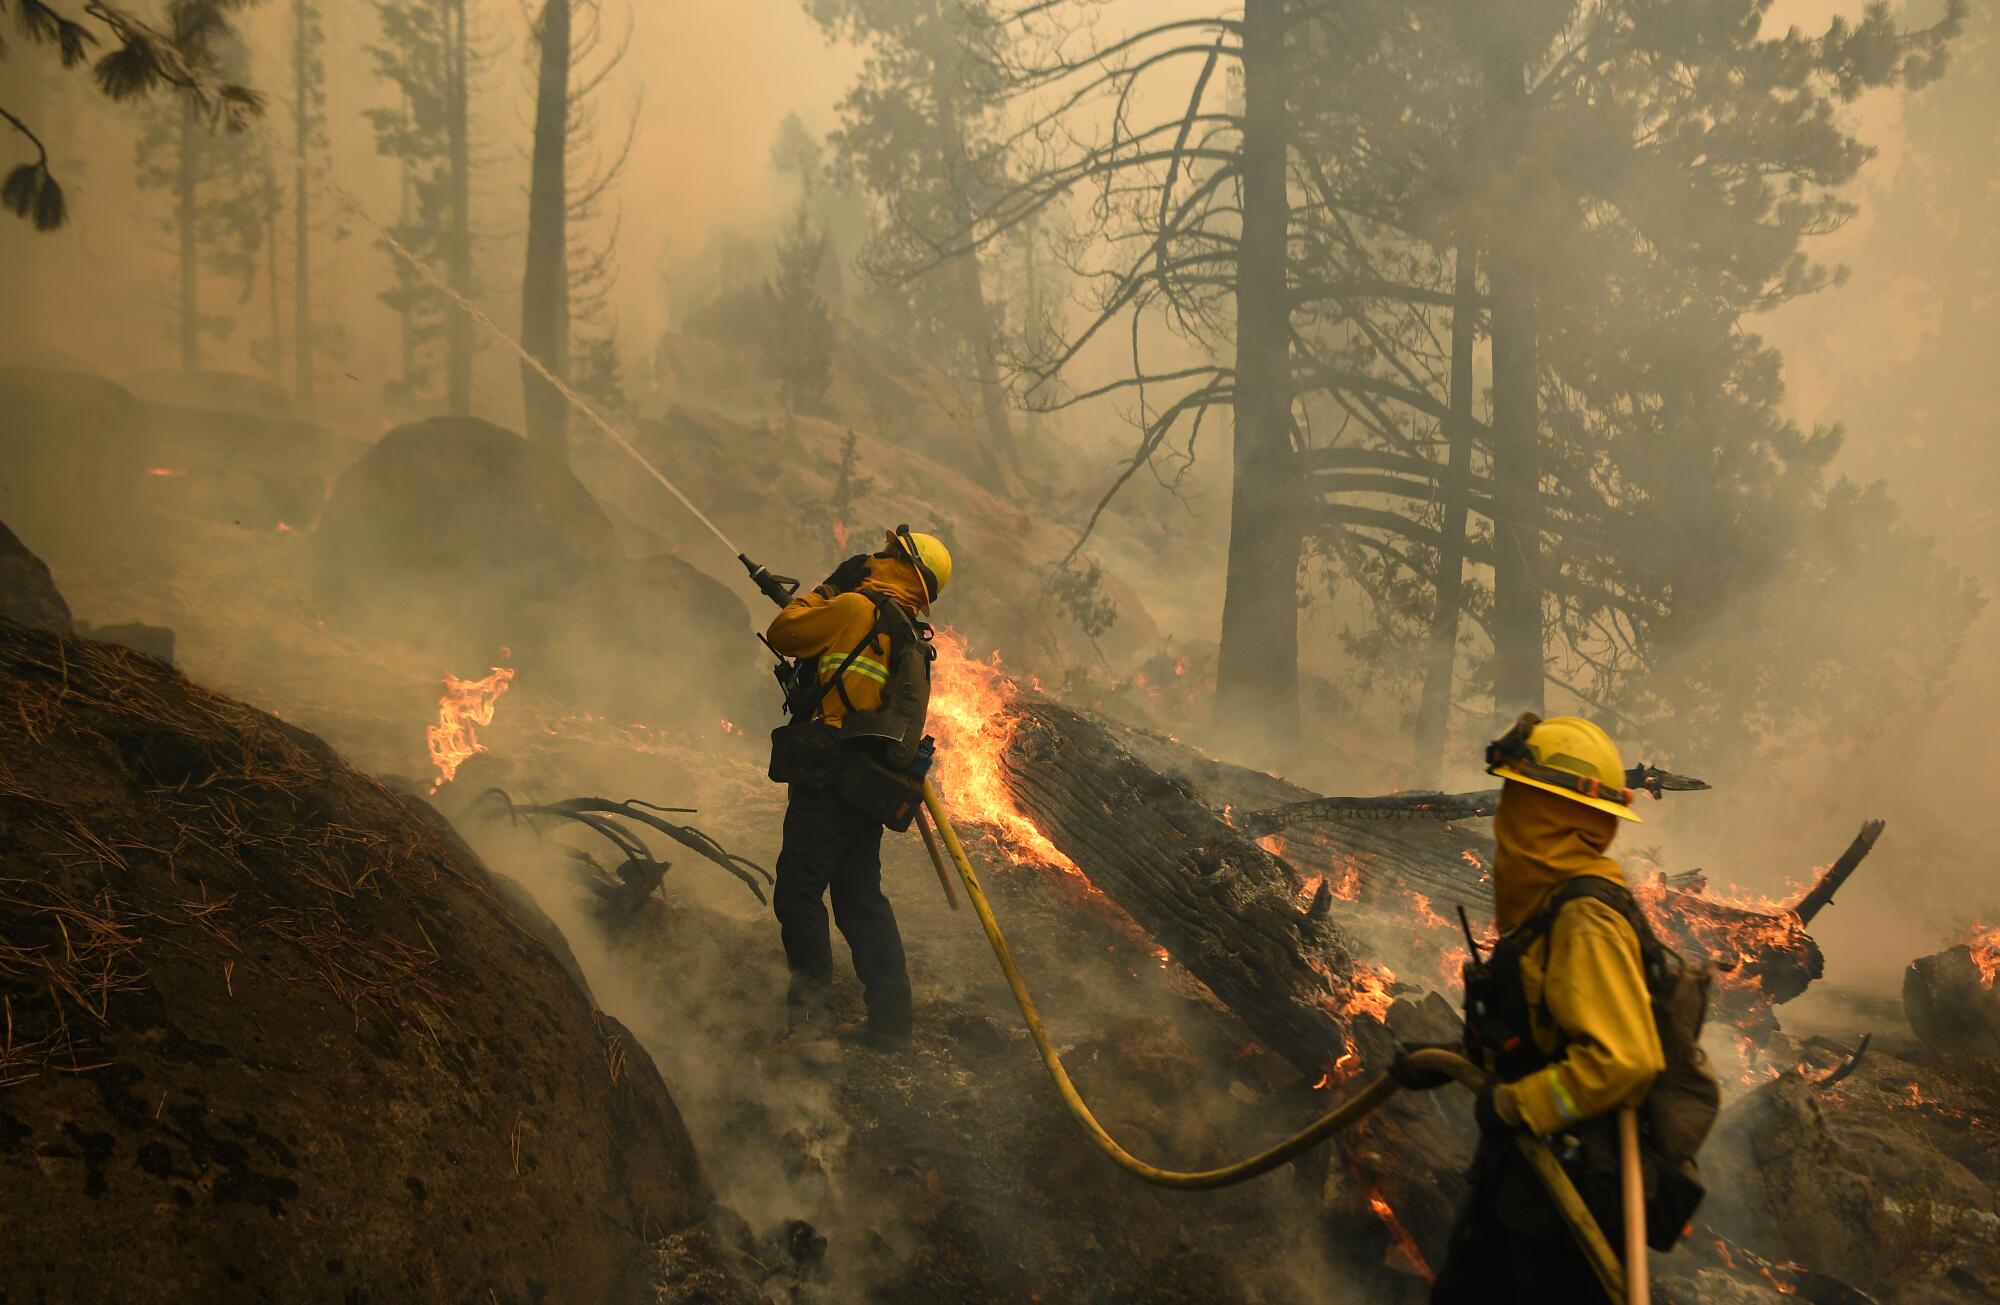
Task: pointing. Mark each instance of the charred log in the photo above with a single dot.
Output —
(1425, 804)
(1238, 919)
(1837, 874)
(1952, 1004)
(1223, 906)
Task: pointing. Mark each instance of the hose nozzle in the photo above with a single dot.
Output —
(780, 589)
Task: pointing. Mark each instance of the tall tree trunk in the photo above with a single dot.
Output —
(458, 257)
(1031, 318)
(302, 332)
(407, 313)
(1517, 587)
(1517, 582)
(184, 214)
(277, 363)
(992, 394)
(976, 314)
(1257, 680)
(1434, 708)
(545, 285)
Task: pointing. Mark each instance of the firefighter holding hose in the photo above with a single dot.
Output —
(1562, 1013)
(854, 755)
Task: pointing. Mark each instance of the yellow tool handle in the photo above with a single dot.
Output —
(937, 857)
(1373, 1094)
(1638, 1291)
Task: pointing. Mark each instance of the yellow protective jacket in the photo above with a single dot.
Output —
(829, 626)
(1599, 1016)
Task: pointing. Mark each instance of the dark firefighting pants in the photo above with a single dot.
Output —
(1510, 1246)
(830, 846)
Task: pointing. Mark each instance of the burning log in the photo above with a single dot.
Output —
(1244, 922)
(1220, 904)
(1951, 1000)
(1836, 874)
(1412, 871)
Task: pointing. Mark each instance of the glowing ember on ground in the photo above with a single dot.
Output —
(284, 528)
(1273, 843)
(969, 701)
(465, 704)
(166, 471)
(1985, 948)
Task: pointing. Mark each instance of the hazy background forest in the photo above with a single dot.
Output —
(1766, 444)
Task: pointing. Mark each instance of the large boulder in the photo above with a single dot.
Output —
(74, 475)
(28, 593)
(454, 521)
(270, 1034)
(653, 641)
(457, 532)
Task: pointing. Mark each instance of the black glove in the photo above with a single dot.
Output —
(1415, 1079)
(846, 577)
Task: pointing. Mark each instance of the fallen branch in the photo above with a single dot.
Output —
(1430, 805)
(596, 814)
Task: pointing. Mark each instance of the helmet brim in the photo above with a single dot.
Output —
(1618, 809)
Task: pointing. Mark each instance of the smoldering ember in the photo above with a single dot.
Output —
(999, 651)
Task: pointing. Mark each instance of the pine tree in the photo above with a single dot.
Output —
(128, 60)
(428, 54)
(919, 130)
(308, 139)
(223, 192)
(799, 330)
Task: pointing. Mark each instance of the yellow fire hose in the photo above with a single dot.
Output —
(1581, 1224)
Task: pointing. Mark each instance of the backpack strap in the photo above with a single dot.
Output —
(891, 621)
(839, 680)
(1655, 958)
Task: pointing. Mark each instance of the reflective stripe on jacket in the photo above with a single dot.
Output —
(827, 628)
(1600, 1023)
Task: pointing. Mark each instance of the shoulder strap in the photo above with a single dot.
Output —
(1656, 960)
(839, 680)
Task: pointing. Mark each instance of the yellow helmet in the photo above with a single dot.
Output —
(1568, 756)
(928, 553)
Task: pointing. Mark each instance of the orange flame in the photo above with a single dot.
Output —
(840, 535)
(1339, 1071)
(465, 704)
(166, 471)
(1985, 948)
(969, 716)
(1367, 993)
(1403, 1246)
(1425, 915)
(1273, 843)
